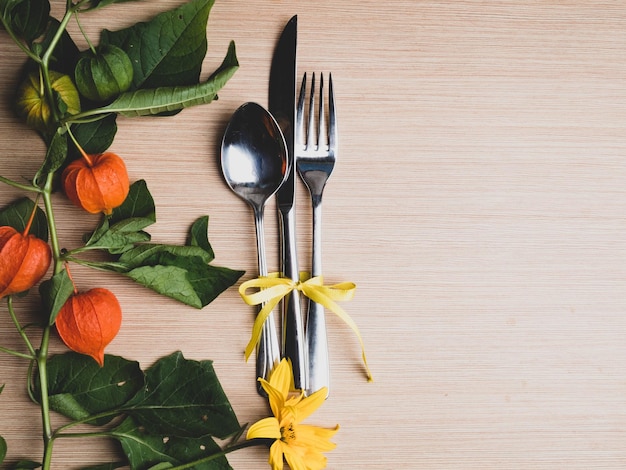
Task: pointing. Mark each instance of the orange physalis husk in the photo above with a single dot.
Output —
(89, 321)
(96, 183)
(24, 260)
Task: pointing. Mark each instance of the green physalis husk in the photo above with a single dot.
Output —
(103, 73)
(32, 104)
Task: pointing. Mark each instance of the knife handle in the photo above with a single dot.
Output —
(293, 327)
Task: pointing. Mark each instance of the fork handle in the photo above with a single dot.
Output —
(316, 336)
(317, 342)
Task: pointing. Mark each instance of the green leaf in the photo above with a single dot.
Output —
(123, 228)
(153, 101)
(116, 242)
(188, 280)
(198, 236)
(210, 281)
(181, 272)
(17, 215)
(151, 254)
(147, 450)
(178, 272)
(55, 157)
(183, 398)
(170, 281)
(167, 50)
(3, 449)
(105, 466)
(54, 292)
(137, 211)
(25, 465)
(80, 389)
(93, 4)
(96, 136)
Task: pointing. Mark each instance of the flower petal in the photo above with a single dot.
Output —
(275, 397)
(316, 438)
(281, 378)
(308, 405)
(295, 459)
(267, 428)
(276, 455)
(315, 461)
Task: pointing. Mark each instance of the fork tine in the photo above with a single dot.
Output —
(300, 112)
(310, 141)
(321, 125)
(332, 119)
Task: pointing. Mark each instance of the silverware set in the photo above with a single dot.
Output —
(302, 135)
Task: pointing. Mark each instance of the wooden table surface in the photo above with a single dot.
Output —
(478, 202)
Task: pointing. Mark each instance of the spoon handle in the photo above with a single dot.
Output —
(268, 351)
(293, 329)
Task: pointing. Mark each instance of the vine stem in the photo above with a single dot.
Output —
(16, 353)
(42, 368)
(69, 12)
(54, 238)
(20, 330)
(222, 453)
(24, 187)
(217, 455)
(82, 31)
(45, 59)
(42, 355)
(17, 41)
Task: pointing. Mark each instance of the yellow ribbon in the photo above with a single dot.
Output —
(272, 288)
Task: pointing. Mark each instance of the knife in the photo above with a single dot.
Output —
(282, 104)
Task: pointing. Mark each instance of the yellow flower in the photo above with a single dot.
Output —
(300, 444)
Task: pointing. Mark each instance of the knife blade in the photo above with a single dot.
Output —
(282, 105)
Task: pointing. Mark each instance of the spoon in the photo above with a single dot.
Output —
(254, 163)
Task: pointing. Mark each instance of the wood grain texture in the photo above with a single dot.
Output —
(479, 203)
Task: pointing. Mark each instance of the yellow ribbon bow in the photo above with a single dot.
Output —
(272, 288)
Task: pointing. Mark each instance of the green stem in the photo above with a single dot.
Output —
(42, 356)
(45, 62)
(217, 455)
(16, 353)
(100, 265)
(17, 41)
(23, 187)
(54, 238)
(106, 414)
(188, 465)
(82, 434)
(42, 368)
(90, 115)
(20, 330)
(82, 31)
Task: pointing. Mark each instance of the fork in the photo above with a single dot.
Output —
(315, 159)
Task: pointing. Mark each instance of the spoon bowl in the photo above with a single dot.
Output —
(254, 154)
(254, 163)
